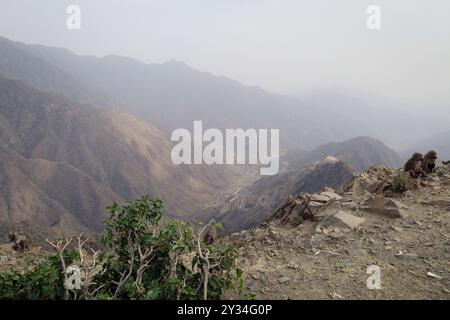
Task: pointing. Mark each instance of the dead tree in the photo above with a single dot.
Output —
(88, 267)
(60, 247)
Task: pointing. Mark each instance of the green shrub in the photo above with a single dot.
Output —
(401, 183)
(145, 259)
(43, 282)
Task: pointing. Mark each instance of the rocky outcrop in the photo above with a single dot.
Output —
(253, 205)
(325, 245)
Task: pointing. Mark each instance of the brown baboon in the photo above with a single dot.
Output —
(429, 161)
(414, 165)
(20, 242)
(210, 236)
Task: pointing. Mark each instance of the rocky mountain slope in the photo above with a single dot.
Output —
(360, 153)
(328, 255)
(62, 163)
(251, 205)
(305, 171)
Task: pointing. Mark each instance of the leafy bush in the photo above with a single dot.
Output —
(401, 183)
(43, 282)
(398, 184)
(145, 259)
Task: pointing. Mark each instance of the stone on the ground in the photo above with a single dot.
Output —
(349, 219)
(331, 195)
(319, 198)
(283, 279)
(356, 252)
(385, 206)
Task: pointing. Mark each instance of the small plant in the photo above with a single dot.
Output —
(401, 183)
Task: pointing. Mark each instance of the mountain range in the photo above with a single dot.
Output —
(79, 132)
(172, 95)
(360, 153)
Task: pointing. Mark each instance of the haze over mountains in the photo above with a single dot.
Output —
(79, 132)
(439, 142)
(172, 95)
(395, 123)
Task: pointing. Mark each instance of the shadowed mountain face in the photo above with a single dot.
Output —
(360, 153)
(63, 163)
(254, 204)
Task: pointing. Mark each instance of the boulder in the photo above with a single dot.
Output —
(331, 195)
(349, 219)
(385, 206)
(319, 198)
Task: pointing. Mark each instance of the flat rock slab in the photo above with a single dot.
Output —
(392, 213)
(385, 206)
(319, 198)
(349, 219)
(384, 203)
(331, 195)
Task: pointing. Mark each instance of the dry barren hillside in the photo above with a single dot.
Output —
(64, 160)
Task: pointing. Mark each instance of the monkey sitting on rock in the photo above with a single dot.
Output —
(19, 241)
(429, 161)
(414, 165)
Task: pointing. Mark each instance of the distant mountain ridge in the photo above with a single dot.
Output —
(172, 95)
(360, 153)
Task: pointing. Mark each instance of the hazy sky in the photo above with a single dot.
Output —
(286, 46)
